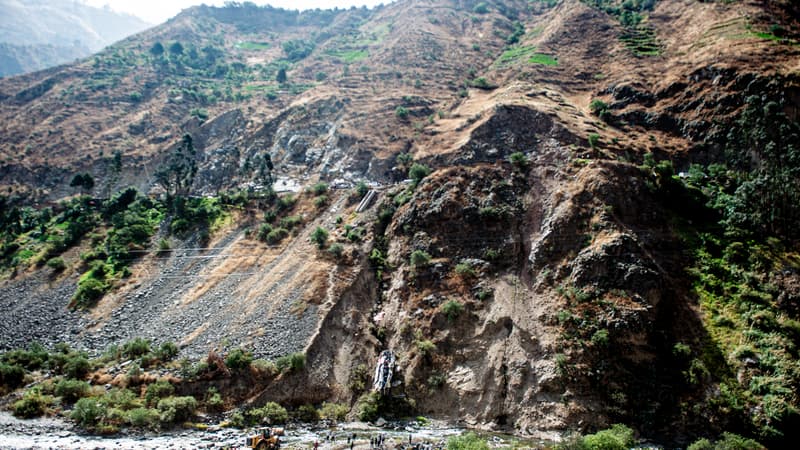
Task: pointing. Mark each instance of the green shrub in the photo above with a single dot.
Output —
(319, 188)
(681, 350)
(481, 83)
(425, 346)
(296, 49)
(271, 413)
(71, 390)
(336, 250)
(418, 171)
(360, 378)
(306, 413)
(480, 8)
(286, 202)
(701, 444)
(89, 291)
(467, 441)
(293, 362)
(361, 189)
(465, 270)
(518, 160)
(157, 391)
(238, 359)
(436, 380)
(420, 258)
(57, 264)
(597, 106)
(594, 140)
(134, 370)
(401, 112)
(403, 197)
(291, 222)
(265, 367)
(484, 294)
(493, 213)
(121, 398)
(32, 404)
(200, 113)
(320, 237)
(731, 441)
(176, 409)
(135, 348)
(167, 351)
(321, 201)
(76, 366)
(355, 234)
(179, 226)
(11, 375)
(147, 418)
(368, 406)
(618, 437)
(600, 338)
(213, 400)
(57, 361)
(237, 420)
(404, 160)
(452, 309)
(88, 412)
(334, 411)
(277, 235)
(34, 357)
(697, 372)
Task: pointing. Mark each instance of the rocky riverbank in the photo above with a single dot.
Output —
(50, 433)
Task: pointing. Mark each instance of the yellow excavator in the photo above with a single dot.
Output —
(267, 439)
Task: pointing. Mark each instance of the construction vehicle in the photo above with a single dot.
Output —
(267, 439)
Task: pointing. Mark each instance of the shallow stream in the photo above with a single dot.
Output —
(54, 433)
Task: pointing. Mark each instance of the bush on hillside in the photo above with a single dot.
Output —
(71, 390)
(238, 359)
(271, 413)
(176, 409)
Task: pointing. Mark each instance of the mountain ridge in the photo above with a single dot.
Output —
(41, 34)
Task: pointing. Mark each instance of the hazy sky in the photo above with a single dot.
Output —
(157, 11)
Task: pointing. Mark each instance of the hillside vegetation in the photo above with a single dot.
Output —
(562, 216)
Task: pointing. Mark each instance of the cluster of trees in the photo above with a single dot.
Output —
(758, 190)
(177, 173)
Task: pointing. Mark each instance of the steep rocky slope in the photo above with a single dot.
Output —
(535, 281)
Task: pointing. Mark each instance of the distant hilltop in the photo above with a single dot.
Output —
(38, 34)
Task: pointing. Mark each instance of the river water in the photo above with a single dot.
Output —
(54, 433)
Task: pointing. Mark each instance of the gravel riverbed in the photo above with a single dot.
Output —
(54, 433)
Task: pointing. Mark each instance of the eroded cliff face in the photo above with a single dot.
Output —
(527, 263)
